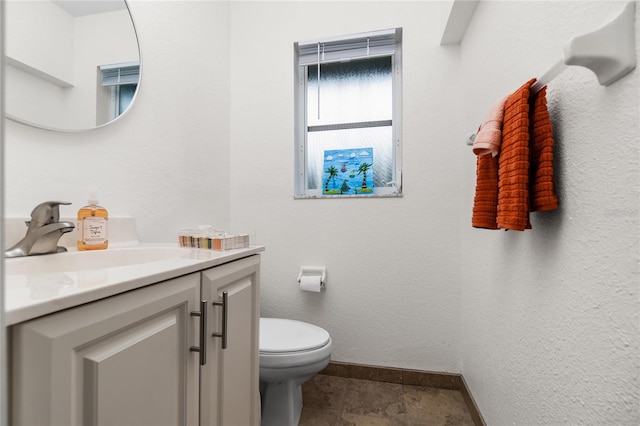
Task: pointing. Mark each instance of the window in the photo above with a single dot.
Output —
(122, 82)
(348, 116)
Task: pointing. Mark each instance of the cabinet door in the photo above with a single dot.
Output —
(124, 360)
(229, 381)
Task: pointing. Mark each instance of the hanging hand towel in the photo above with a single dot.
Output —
(513, 162)
(542, 191)
(489, 137)
(485, 202)
(487, 141)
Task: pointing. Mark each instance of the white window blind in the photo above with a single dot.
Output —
(372, 44)
(119, 74)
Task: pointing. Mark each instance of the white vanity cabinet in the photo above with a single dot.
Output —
(128, 359)
(229, 380)
(124, 360)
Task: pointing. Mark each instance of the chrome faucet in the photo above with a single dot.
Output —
(43, 232)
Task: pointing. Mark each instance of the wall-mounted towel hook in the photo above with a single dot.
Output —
(471, 137)
(609, 51)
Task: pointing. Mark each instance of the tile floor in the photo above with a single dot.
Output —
(340, 401)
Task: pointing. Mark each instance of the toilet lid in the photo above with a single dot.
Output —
(279, 335)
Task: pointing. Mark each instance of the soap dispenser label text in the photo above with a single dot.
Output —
(94, 230)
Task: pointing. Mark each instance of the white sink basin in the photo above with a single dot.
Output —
(92, 260)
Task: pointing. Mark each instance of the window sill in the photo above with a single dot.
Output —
(334, 197)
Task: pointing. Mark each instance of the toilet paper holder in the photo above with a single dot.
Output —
(314, 271)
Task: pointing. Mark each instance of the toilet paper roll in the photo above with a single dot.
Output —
(310, 283)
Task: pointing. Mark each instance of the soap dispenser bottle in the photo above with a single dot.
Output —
(92, 225)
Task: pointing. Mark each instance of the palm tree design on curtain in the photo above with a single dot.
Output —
(363, 169)
(333, 172)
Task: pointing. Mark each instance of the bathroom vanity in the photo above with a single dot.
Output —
(134, 336)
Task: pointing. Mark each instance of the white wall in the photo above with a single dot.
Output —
(42, 37)
(41, 61)
(543, 324)
(393, 265)
(550, 316)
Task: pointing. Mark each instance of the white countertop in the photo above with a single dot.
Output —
(30, 295)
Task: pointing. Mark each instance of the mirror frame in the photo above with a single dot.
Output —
(81, 130)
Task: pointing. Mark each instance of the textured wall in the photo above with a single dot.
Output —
(550, 316)
(392, 296)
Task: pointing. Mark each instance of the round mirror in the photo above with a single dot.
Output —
(72, 65)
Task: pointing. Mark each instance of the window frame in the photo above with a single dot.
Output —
(394, 187)
(114, 76)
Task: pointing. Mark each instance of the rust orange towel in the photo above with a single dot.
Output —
(513, 162)
(542, 190)
(520, 179)
(485, 203)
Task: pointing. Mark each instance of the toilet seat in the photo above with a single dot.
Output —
(286, 343)
(279, 335)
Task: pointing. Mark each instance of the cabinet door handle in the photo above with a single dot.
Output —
(225, 309)
(202, 349)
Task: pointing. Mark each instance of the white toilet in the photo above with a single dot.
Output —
(291, 352)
